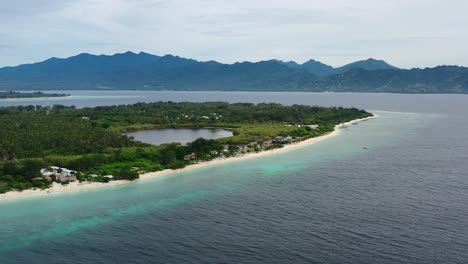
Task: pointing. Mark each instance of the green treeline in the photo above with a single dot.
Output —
(13, 94)
(32, 134)
(90, 140)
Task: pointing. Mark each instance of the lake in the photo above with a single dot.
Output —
(401, 200)
(181, 135)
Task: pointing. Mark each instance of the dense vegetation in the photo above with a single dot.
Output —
(90, 140)
(13, 94)
(146, 71)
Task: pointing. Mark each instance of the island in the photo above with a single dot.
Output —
(16, 95)
(46, 146)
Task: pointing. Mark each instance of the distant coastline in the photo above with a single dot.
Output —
(75, 186)
(26, 95)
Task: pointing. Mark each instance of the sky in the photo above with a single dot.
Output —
(405, 33)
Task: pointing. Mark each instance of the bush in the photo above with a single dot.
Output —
(179, 164)
(126, 175)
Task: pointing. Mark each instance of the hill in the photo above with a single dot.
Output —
(320, 69)
(441, 79)
(146, 71)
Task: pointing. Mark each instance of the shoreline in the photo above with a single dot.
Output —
(76, 186)
(35, 98)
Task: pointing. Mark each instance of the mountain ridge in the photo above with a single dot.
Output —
(142, 70)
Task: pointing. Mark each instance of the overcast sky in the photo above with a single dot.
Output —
(405, 33)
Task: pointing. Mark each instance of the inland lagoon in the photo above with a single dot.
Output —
(181, 135)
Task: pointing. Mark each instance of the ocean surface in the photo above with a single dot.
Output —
(390, 190)
(181, 135)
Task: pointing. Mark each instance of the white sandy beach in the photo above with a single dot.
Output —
(76, 186)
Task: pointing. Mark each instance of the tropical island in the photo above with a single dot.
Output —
(16, 95)
(41, 146)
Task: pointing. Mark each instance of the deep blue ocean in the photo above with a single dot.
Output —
(390, 190)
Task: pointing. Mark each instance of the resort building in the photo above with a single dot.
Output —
(189, 157)
(59, 174)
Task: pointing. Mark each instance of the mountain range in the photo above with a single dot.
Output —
(146, 71)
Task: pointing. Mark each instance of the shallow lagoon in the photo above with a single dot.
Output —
(181, 135)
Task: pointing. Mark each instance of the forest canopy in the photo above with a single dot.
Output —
(91, 140)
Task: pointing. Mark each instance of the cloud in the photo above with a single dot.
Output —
(5, 46)
(406, 33)
(21, 9)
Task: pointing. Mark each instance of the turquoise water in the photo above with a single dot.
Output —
(64, 215)
(401, 200)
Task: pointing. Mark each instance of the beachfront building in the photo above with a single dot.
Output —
(59, 174)
(283, 140)
(244, 149)
(267, 144)
(191, 156)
